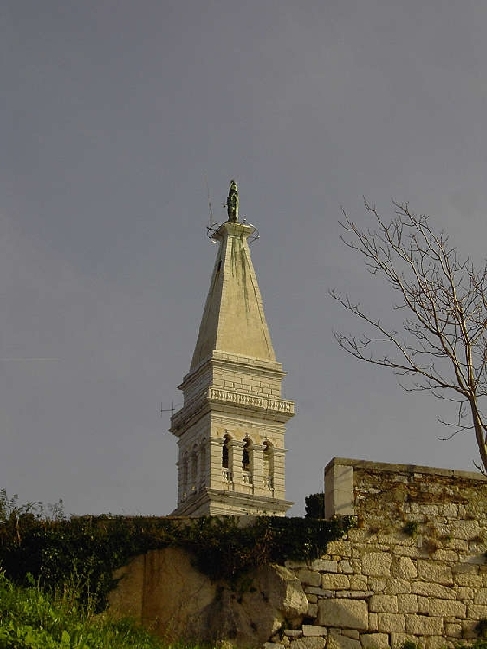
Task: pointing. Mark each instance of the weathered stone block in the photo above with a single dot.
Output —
(470, 580)
(338, 641)
(358, 582)
(398, 639)
(334, 581)
(311, 630)
(396, 586)
(453, 630)
(383, 604)
(446, 555)
(404, 568)
(340, 548)
(377, 564)
(464, 593)
(354, 594)
(465, 529)
(373, 621)
(323, 565)
(441, 607)
(468, 629)
(293, 633)
(435, 572)
(376, 584)
(477, 612)
(423, 625)
(309, 577)
(391, 622)
(407, 603)
(338, 490)
(374, 640)
(480, 597)
(313, 610)
(432, 590)
(434, 642)
(346, 567)
(319, 592)
(343, 613)
(309, 643)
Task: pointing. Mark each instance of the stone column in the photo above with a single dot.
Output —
(217, 480)
(338, 489)
(235, 461)
(279, 477)
(258, 468)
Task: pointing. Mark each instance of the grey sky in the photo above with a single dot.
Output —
(113, 114)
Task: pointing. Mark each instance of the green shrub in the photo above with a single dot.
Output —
(315, 505)
(81, 553)
(31, 619)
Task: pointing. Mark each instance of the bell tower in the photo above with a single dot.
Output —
(230, 430)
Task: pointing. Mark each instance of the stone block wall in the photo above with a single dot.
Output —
(413, 568)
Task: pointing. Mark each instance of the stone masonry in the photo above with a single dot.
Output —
(414, 566)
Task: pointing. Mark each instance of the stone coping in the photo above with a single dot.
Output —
(405, 468)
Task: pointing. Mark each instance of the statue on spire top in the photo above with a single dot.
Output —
(232, 202)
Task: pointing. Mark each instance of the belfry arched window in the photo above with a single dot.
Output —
(194, 468)
(226, 472)
(202, 466)
(226, 451)
(247, 460)
(246, 455)
(268, 462)
(184, 477)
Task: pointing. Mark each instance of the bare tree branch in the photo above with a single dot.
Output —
(442, 344)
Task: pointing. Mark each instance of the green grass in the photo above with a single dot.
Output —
(30, 619)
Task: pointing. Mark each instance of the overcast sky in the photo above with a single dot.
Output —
(116, 115)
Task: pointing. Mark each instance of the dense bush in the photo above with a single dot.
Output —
(85, 551)
(315, 505)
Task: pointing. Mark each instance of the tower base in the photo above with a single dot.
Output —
(213, 502)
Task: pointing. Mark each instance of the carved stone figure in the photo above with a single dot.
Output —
(232, 202)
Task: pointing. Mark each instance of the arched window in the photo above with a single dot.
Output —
(184, 477)
(202, 476)
(247, 461)
(268, 469)
(194, 468)
(226, 472)
(246, 457)
(226, 451)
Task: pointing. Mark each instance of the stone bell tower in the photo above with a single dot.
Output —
(231, 427)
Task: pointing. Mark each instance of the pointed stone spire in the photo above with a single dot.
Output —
(231, 427)
(233, 319)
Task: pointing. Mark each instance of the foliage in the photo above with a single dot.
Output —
(410, 644)
(315, 505)
(83, 552)
(30, 618)
(442, 346)
(481, 628)
(411, 528)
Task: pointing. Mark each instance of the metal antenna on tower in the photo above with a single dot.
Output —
(211, 220)
(171, 409)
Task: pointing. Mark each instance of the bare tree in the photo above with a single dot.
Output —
(441, 346)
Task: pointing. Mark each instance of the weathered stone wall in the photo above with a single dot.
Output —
(413, 568)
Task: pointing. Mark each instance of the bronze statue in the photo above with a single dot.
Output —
(232, 202)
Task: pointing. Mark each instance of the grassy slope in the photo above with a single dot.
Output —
(29, 619)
